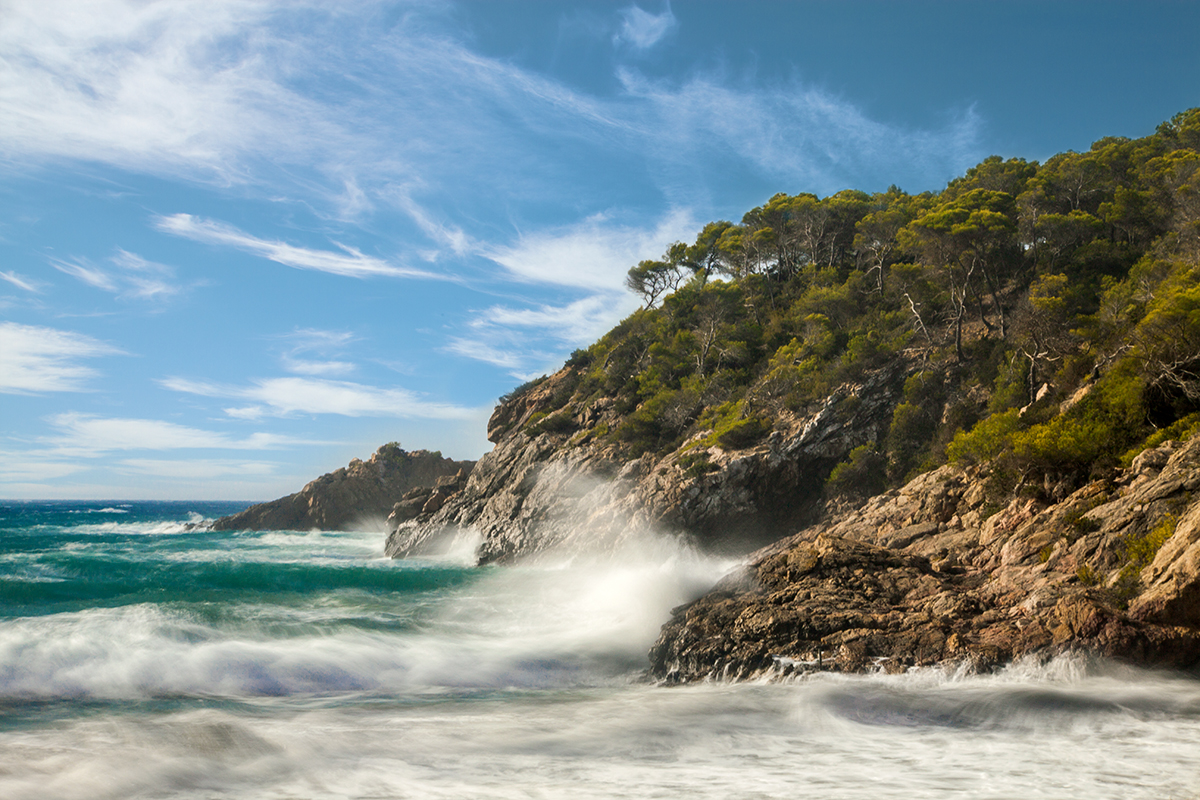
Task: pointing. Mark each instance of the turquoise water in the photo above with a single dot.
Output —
(142, 656)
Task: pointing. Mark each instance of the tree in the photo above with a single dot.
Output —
(875, 234)
(651, 279)
(971, 237)
(704, 257)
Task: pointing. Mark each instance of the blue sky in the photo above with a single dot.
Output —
(243, 242)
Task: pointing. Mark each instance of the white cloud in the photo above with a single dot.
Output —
(320, 101)
(180, 85)
(135, 277)
(85, 272)
(641, 29)
(315, 339)
(285, 396)
(305, 366)
(89, 435)
(793, 134)
(196, 468)
(349, 262)
(509, 337)
(444, 234)
(581, 321)
(17, 467)
(593, 254)
(506, 352)
(20, 281)
(38, 359)
(303, 341)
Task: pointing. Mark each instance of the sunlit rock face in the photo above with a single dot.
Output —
(930, 574)
(362, 493)
(544, 487)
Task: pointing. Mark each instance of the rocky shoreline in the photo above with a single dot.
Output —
(938, 572)
(927, 576)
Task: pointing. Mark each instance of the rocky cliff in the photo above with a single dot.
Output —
(353, 495)
(556, 480)
(934, 574)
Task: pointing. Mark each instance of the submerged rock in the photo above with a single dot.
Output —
(353, 495)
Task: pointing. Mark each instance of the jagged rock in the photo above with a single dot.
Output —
(925, 575)
(540, 489)
(349, 496)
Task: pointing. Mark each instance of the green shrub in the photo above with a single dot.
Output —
(1078, 524)
(743, 433)
(696, 464)
(862, 474)
(1182, 430)
(1139, 552)
(986, 440)
(558, 422)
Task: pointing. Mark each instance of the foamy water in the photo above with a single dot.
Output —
(173, 663)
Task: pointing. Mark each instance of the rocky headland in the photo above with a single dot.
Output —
(946, 428)
(364, 492)
(931, 574)
(940, 571)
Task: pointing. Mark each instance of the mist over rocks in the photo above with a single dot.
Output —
(550, 486)
(362, 492)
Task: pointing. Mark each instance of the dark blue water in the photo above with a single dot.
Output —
(144, 656)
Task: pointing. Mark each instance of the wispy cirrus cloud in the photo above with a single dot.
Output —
(641, 29)
(288, 396)
(36, 359)
(89, 435)
(509, 337)
(185, 86)
(197, 468)
(130, 277)
(82, 270)
(304, 343)
(349, 262)
(20, 281)
(592, 254)
(232, 89)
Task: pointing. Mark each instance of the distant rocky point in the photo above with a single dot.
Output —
(353, 495)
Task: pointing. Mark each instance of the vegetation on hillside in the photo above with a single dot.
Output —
(1050, 314)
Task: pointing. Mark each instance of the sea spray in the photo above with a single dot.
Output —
(304, 664)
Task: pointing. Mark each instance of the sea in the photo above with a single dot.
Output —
(145, 656)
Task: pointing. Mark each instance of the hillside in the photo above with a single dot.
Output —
(1032, 326)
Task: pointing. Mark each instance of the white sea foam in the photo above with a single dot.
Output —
(518, 682)
(709, 741)
(553, 624)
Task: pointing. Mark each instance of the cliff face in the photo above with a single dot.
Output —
(936, 572)
(544, 486)
(349, 496)
(929, 575)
